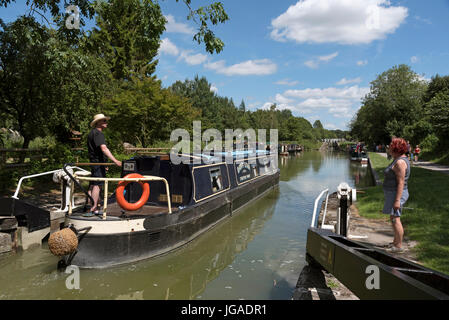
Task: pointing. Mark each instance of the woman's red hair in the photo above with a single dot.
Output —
(398, 146)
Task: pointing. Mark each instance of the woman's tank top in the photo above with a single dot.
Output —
(390, 183)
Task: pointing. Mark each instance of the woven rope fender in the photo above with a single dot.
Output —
(63, 242)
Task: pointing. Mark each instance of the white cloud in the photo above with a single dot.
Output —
(283, 100)
(330, 126)
(338, 102)
(311, 64)
(338, 21)
(328, 57)
(322, 59)
(353, 92)
(427, 21)
(422, 77)
(287, 82)
(345, 81)
(213, 89)
(168, 47)
(250, 67)
(192, 59)
(267, 105)
(176, 27)
(414, 59)
(362, 63)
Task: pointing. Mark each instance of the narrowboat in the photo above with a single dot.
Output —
(358, 156)
(292, 148)
(283, 150)
(184, 201)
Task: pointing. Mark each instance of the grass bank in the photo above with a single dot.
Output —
(427, 222)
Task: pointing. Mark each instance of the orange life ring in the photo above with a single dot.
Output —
(121, 198)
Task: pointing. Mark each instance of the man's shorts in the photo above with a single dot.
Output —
(97, 172)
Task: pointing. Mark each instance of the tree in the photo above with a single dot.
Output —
(198, 91)
(45, 86)
(214, 13)
(394, 102)
(437, 110)
(436, 85)
(142, 112)
(317, 125)
(127, 36)
(203, 16)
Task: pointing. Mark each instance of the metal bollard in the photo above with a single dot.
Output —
(346, 195)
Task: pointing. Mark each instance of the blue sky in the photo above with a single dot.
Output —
(314, 57)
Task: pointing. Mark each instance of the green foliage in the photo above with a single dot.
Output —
(199, 93)
(52, 81)
(437, 109)
(400, 104)
(142, 112)
(221, 113)
(46, 85)
(204, 17)
(43, 143)
(127, 36)
(395, 101)
(24, 82)
(436, 85)
(54, 6)
(213, 13)
(429, 143)
(56, 156)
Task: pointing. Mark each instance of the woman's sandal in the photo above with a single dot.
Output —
(394, 249)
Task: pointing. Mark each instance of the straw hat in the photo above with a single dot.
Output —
(97, 118)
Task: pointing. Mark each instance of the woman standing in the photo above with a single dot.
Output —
(395, 189)
(417, 152)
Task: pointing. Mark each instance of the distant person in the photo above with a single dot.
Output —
(396, 190)
(357, 148)
(98, 151)
(417, 152)
(409, 149)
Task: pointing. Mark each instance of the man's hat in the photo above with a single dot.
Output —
(97, 118)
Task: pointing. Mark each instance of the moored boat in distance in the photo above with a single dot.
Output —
(357, 154)
(185, 200)
(283, 149)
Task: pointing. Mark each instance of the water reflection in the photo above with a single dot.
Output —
(257, 254)
(361, 174)
(183, 274)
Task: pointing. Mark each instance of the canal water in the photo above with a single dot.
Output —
(257, 254)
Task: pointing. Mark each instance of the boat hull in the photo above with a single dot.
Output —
(145, 237)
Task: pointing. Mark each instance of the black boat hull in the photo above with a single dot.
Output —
(162, 233)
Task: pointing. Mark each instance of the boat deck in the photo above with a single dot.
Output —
(114, 210)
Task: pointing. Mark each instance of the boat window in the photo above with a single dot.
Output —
(216, 180)
(243, 172)
(255, 170)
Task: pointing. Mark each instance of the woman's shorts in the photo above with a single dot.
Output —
(390, 196)
(97, 172)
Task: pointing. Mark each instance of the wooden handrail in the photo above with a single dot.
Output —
(94, 164)
(145, 149)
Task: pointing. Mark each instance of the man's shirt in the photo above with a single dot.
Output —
(94, 141)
